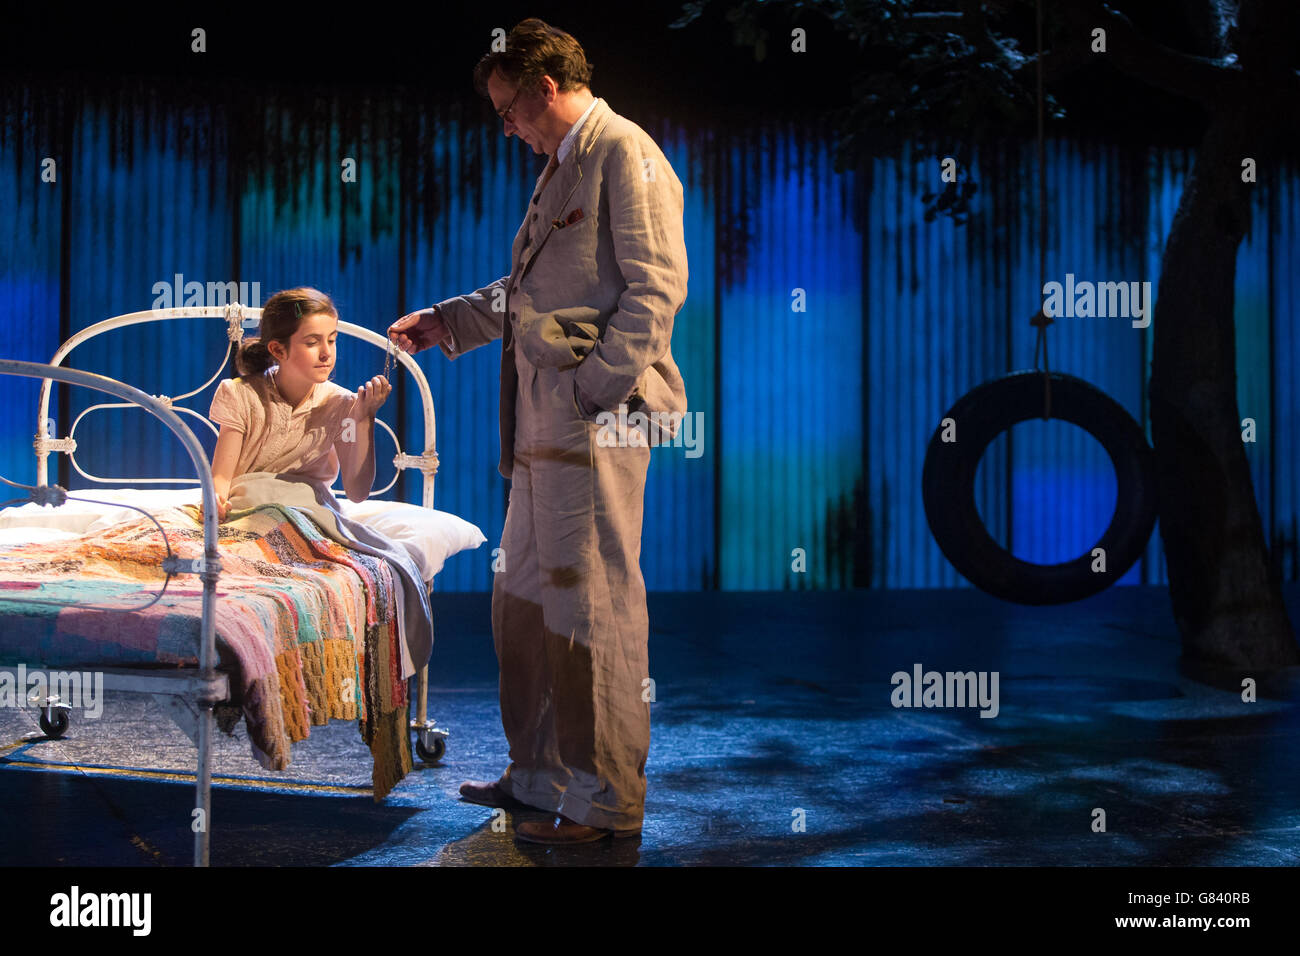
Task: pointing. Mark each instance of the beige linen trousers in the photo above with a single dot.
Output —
(598, 275)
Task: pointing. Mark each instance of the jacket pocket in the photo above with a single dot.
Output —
(582, 336)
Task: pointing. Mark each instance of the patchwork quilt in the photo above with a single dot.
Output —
(306, 627)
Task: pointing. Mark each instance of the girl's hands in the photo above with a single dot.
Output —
(223, 508)
(372, 395)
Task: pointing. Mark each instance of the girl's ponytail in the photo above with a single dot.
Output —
(253, 357)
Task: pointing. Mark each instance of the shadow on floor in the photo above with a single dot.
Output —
(776, 740)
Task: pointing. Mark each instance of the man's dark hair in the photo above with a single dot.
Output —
(535, 49)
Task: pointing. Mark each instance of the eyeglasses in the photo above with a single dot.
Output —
(507, 113)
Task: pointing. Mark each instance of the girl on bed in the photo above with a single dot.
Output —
(283, 416)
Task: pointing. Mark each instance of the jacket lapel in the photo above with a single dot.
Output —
(548, 205)
(554, 200)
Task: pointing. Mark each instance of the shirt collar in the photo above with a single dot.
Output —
(566, 144)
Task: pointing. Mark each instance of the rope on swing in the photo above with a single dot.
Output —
(1041, 320)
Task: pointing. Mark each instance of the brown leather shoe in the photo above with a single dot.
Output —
(562, 831)
(488, 794)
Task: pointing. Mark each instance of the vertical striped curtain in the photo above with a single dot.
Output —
(827, 328)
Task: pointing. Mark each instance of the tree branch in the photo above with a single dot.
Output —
(1196, 78)
(1193, 77)
(971, 24)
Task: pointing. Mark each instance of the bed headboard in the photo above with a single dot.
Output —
(236, 318)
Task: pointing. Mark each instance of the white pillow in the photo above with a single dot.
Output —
(35, 535)
(84, 517)
(71, 516)
(430, 536)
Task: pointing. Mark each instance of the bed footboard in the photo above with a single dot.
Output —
(203, 689)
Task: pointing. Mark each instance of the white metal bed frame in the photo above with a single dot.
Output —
(189, 699)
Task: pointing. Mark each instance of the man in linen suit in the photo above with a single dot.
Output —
(598, 273)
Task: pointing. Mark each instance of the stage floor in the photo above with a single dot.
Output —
(771, 710)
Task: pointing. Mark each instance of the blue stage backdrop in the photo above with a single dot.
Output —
(828, 325)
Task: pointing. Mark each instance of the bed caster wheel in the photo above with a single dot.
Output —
(430, 740)
(54, 724)
(434, 753)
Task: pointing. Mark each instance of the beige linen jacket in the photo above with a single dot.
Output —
(598, 275)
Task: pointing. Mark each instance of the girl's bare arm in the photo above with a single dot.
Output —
(356, 444)
(224, 459)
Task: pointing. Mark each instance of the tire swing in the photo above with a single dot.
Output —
(948, 476)
(948, 488)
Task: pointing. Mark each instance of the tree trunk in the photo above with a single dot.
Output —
(1225, 601)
